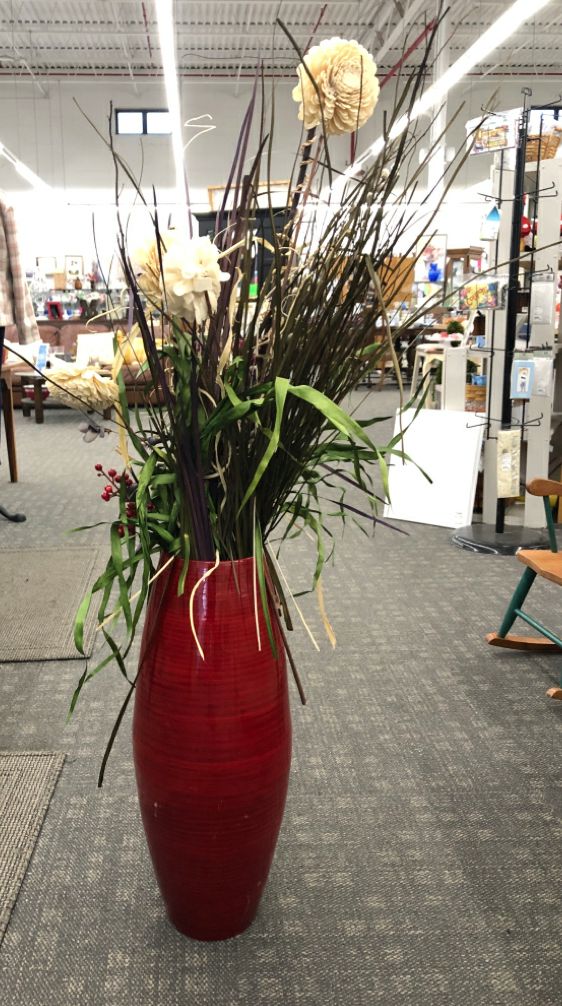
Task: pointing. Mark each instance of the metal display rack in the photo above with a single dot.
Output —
(541, 182)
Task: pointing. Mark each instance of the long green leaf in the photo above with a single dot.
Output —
(343, 422)
(281, 389)
(260, 567)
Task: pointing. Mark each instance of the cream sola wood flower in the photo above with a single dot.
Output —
(348, 88)
(146, 263)
(83, 387)
(191, 279)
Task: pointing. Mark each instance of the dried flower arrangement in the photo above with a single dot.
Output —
(243, 435)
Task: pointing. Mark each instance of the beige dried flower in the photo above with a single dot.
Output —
(146, 264)
(348, 88)
(192, 275)
(192, 278)
(82, 386)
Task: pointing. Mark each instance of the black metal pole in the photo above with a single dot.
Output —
(513, 289)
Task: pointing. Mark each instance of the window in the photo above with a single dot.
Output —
(129, 123)
(142, 121)
(157, 122)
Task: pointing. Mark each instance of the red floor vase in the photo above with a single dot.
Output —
(212, 747)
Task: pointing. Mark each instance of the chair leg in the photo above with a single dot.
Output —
(520, 593)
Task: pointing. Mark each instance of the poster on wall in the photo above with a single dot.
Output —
(431, 259)
(46, 265)
(73, 268)
(492, 133)
(276, 192)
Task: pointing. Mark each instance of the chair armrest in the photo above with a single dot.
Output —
(544, 487)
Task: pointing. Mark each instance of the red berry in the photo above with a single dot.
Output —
(151, 507)
(105, 497)
(112, 473)
(108, 489)
(120, 530)
(98, 467)
(118, 478)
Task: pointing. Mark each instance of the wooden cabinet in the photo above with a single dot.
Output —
(461, 262)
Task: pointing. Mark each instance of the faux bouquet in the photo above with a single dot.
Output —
(242, 436)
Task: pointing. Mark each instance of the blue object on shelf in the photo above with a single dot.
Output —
(434, 273)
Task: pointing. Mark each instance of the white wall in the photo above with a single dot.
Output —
(53, 137)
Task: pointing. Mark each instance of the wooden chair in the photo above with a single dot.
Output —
(546, 563)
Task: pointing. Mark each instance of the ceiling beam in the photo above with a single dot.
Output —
(222, 31)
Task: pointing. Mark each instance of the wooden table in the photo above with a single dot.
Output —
(37, 382)
(8, 370)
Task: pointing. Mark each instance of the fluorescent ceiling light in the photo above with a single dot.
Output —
(498, 32)
(23, 170)
(30, 176)
(165, 16)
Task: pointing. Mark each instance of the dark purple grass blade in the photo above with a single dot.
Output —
(367, 516)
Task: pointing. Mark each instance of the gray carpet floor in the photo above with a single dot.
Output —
(27, 781)
(47, 631)
(420, 857)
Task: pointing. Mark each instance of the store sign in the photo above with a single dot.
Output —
(492, 133)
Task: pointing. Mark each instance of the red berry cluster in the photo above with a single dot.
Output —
(112, 488)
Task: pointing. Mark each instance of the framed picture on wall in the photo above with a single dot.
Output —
(277, 191)
(46, 265)
(54, 310)
(73, 268)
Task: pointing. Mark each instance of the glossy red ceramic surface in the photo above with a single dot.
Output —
(212, 748)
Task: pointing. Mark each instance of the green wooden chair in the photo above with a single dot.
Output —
(546, 563)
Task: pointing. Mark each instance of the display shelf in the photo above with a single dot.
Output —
(72, 302)
(545, 258)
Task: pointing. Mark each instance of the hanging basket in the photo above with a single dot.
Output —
(542, 148)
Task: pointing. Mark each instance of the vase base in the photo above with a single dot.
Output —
(210, 933)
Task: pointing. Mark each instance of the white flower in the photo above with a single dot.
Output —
(348, 89)
(192, 278)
